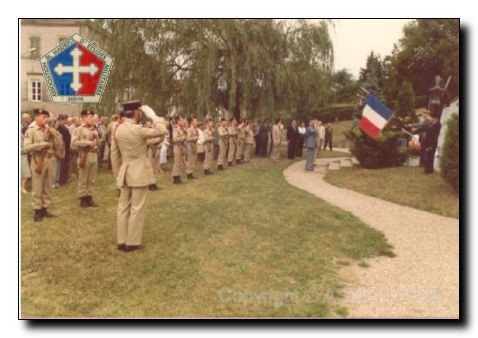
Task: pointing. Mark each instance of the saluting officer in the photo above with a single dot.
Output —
(133, 171)
(41, 141)
(85, 139)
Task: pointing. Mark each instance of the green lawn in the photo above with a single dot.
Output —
(340, 127)
(403, 185)
(239, 243)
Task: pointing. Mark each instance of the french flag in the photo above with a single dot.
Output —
(375, 116)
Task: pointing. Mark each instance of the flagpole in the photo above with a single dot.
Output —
(407, 132)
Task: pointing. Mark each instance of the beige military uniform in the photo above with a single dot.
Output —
(241, 135)
(192, 139)
(276, 141)
(134, 174)
(154, 147)
(248, 144)
(35, 143)
(87, 144)
(232, 134)
(208, 147)
(179, 137)
(222, 145)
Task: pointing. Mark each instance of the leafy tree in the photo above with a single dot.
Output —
(253, 68)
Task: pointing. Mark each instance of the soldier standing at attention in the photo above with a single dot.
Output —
(179, 137)
(154, 145)
(276, 140)
(133, 171)
(41, 142)
(208, 146)
(192, 139)
(85, 139)
(241, 136)
(222, 132)
(232, 133)
(248, 142)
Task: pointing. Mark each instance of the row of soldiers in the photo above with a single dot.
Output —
(235, 141)
(129, 159)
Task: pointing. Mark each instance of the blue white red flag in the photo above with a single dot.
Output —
(375, 116)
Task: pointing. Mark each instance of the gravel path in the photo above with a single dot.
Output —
(421, 281)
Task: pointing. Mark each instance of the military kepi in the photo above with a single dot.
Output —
(87, 112)
(41, 112)
(131, 105)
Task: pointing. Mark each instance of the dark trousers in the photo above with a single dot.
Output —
(257, 144)
(101, 153)
(292, 149)
(300, 146)
(64, 168)
(429, 160)
(329, 142)
(263, 147)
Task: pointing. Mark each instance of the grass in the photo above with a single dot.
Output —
(330, 154)
(338, 138)
(239, 243)
(403, 185)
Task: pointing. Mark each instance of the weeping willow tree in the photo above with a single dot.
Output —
(253, 68)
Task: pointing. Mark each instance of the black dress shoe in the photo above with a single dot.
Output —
(90, 202)
(38, 215)
(220, 167)
(122, 247)
(153, 187)
(83, 202)
(191, 177)
(129, 248)
(45, 213)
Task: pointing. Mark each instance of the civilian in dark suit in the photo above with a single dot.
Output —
(431, 142)
(292, 140)
(263, 138)
(64, 163)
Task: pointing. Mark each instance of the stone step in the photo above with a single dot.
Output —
(354, 161)
(334, 165)
(346, 163)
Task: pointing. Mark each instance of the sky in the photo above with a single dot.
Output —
(354, 39)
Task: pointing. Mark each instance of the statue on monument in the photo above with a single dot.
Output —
(437, 96)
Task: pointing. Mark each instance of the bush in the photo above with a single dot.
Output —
(382, 152)
(450, 156)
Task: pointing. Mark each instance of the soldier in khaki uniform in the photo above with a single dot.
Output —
(133, 171)
(222, 133)
(232, 135)
(179, 137)
(276, 140)
(85, 139)
(192, 136)
(209, 135)
(41, 141)
(248, 142)
(154, 145)
(241, 136)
